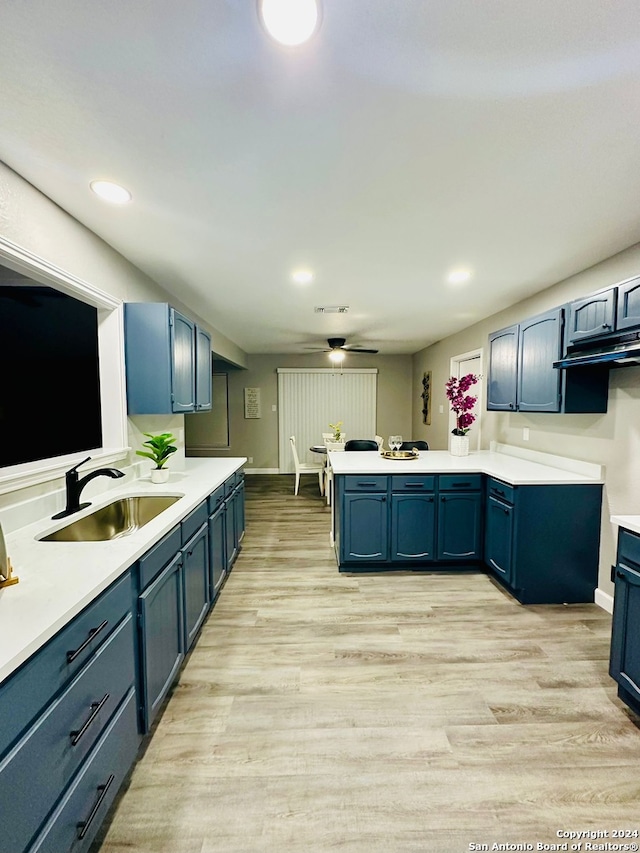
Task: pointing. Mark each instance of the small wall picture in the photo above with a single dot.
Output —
(426, 398)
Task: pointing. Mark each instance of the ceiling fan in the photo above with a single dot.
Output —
(339, 345)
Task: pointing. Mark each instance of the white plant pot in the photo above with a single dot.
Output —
(159, 475)
(459, 445)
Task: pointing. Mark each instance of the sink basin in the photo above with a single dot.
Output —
(119, 518)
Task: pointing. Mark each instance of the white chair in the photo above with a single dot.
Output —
(305, 467)
(327, 437)
(379, 441)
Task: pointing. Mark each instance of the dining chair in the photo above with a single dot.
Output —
(361, 444)
(305, 467)
(414, 445)
(328, 437)
(379, 441)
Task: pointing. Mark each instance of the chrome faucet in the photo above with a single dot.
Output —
(75, 485)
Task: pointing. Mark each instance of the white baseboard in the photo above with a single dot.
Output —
(604, 600)
(261, 470)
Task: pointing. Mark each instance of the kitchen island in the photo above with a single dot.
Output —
(531, 519)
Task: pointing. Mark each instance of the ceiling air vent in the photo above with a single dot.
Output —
(331, 309)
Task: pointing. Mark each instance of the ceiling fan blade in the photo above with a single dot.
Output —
(359, 349)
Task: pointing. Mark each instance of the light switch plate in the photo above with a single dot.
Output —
(525, 433)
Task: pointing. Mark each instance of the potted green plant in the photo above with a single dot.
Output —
(160, 449)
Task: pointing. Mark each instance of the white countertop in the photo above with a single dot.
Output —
(59, 579)
(524, 469)
(629, 522)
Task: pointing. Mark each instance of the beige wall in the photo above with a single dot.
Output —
(259, 438)
(612, 439)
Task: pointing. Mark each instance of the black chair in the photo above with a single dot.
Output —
(414, 445)
(361, 444)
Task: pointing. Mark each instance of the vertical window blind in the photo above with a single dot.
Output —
(309, 400)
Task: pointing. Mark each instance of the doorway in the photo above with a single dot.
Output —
(470, 362)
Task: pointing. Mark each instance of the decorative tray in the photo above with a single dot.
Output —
(400, 454)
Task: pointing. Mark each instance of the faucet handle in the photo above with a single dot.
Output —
(77, 465)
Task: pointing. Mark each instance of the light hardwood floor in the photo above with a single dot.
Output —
(401, 713)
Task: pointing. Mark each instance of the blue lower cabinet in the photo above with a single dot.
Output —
(625, 635)
(365, 528)
(162, 637)
(217, 550)
(460, 527)
(75, 821)
(195, 559)
(498, 549)
(413, 527)
(239, 511)
(231, 540)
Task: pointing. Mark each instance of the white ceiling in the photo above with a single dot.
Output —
(409, 137)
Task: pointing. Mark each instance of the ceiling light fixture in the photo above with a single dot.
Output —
(459, 275)
(336, 356)
(290, 22)
(108, 191)
(302, 276)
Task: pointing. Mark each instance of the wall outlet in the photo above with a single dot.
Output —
(525, 433)
(442, 410)
(250, 459)
(273, 408)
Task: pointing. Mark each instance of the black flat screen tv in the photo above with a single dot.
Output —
(49, 372)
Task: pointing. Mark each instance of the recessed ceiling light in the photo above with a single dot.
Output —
(336, 356)
(302, 276)
(459, 275)
(290, 22)
(108, 191)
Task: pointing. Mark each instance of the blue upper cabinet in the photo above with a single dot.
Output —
(503, 369)
(522, 378)
(203, 370)
(592, 316)
(540, 345)
(629, 304)
(167, 359)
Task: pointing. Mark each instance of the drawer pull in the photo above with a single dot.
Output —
(414, 485)
(366, 484)
(83, 826)
(95, 707)
(498, 492)
(71, 656)
(462, 485)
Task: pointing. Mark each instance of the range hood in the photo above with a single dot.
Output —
(615, 352)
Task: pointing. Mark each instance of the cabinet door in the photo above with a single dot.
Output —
(203, 370)
(182, 363)
(625, 636)
(628, 305)
(540, 345)
(499, 538)
(195, 558)
(217, 550)
(239, 513)
(365, 536)
(413, 527)
(230, 532)
(460, 526)
(162, 637)
(503, 370)
(592, 316)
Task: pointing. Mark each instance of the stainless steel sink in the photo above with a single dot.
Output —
(119, 518)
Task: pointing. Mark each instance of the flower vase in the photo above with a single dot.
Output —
(159, 475)
(459, 445)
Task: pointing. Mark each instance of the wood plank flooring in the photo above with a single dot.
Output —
(403, 713)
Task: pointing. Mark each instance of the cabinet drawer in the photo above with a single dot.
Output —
(460, 482)
(365, 483)
(87, 801)
(41, 678)
(215, 499)
(229, 485)
(415, 483)
(193, 521)
(628, 548)
(501, 490)
(156, 558)
(41, 766)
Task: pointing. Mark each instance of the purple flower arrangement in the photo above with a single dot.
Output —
(461, 402)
